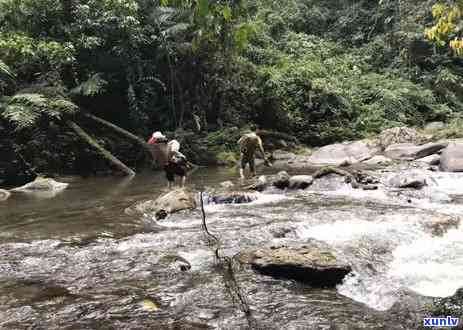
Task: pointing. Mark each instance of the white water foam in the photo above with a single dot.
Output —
(431, 266)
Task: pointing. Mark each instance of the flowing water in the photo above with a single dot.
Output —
(76, 260)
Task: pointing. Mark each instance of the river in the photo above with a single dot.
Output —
(76, 260)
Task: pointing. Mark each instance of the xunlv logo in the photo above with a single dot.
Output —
(441, 321)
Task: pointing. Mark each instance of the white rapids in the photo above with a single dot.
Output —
(407, 256)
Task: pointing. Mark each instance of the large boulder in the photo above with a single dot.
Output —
(451, 159)
(408, 179)
(313, 263)
(300, 181)
(398, 135)
(408, 151)
(340, 154)
(172, 202)
(430, 160)
(40, 185)
(4, 195)
(235, 197)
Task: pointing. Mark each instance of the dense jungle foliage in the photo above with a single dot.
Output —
(320, 70)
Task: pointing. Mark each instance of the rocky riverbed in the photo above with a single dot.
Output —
(80, 258)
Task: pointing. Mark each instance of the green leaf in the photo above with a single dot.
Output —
(226, 12)
(203, 7)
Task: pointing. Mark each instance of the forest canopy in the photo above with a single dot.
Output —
(322, 71)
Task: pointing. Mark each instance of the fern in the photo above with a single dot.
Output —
(26, 110)
(93, 86)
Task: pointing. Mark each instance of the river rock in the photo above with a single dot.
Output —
(408, 151)
(408, 179)
(313, 263)
(175, 262)
(172, 202)
(42, 184)
(282, 180)
(399, 135)
(259, 185)
(235, 197)
(341, 154)
(300, 181)
(377, 160)
(430, 160)
(4, 195)
(452, 158)
(439, 225)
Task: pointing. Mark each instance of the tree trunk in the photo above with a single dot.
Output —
(102, 151)
(121, 131)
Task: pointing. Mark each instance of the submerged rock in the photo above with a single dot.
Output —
(408, 151)
(408, 179)
(313, 263)
(300, 181)
(41, 185)
(452, 158)
(4, 195)
(235, 197)
(341, 154)
(172, 202)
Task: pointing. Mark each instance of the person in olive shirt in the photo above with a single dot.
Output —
(249, 143)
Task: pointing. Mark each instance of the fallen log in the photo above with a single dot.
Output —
(121, 131)
(102, 151)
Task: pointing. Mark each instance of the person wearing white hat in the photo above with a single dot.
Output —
(167, 154)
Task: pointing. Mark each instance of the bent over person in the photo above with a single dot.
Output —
(248, 144)
(167, 154)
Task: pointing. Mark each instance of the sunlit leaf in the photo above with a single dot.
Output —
(226, 12)
(150, 305)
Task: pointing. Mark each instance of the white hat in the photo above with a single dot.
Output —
(158, 135)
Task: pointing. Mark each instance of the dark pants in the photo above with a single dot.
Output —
(248, 159)
(172, 169)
